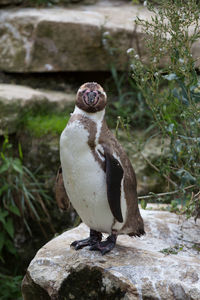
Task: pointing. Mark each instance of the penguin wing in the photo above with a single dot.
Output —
(60, 192)
(114, 175)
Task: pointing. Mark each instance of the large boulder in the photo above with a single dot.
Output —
(163, 264)
(62, 39)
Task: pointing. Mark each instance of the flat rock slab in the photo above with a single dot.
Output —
(71, 39)
(137, 268)
(11, 93)
(14, 99)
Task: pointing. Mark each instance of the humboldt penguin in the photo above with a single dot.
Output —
(98, 177)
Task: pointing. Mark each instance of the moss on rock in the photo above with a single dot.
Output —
(88, 284)
(40, 125)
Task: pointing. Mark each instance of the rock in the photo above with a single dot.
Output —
(10, 2)
(14, 99)
(161, 265)
(62, 39)
(85, 38)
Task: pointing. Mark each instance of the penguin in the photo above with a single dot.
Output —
(97, 175)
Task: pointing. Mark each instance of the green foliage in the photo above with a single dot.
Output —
(143, 204)
(40, 125)
(10, 287)
(172, 92)
(172, 250)
(126, 100)
(6, 234)
(22, 196)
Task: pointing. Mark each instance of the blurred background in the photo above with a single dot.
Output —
(145, 54)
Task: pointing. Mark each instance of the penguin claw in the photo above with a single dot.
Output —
(94, 238)
(106, 246)
(102, 248)
(80, 244)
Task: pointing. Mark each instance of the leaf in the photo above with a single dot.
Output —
(175, 93)
(170, 77)
(5, 166)
(14, 209)
(17, 166)
(10, 246)
(184, 97)
(2, 239)
(178, 145)
(3, 215)
(170, 128)
(185, 176)
(143, 204)
(4, 188)
(9, 227)
(20, 151)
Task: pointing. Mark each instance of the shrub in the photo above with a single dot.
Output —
(171, 87)
(22, 196)
(10, 287)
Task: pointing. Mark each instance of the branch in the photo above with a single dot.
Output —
(155, 168)
(168, 193)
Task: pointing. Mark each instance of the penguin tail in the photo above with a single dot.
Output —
(60, 192)
(139, 233)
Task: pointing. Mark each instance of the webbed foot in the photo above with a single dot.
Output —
(95, 237)
(106, 246)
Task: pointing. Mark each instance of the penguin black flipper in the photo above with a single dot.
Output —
(114, 175)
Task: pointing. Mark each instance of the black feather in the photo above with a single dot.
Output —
(114, 175)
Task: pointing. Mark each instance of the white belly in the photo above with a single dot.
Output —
(84, 180)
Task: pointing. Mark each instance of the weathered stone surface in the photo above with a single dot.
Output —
(135, 269)
(61, 39)
(15, 98)
(66, 39)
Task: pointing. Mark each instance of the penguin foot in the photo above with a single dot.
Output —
(106, 246)
(95, 237)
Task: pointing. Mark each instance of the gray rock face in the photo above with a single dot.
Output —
(14, 99)
(85, 38)
(62, 39)
(137, 268)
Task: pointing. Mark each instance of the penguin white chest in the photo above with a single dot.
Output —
(84, 179)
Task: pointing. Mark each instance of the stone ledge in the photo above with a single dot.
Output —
(135, 269)
(16, 98)
(11, 93)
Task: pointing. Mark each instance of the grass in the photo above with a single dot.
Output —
(40, 125)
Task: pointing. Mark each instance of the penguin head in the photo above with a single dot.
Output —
(91, 97)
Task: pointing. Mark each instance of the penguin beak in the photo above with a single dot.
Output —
(91, 97)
